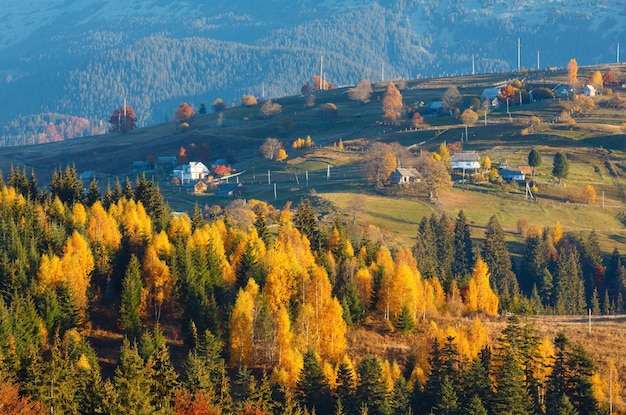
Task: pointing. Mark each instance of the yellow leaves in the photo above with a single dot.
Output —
(156, 275)
(179, 226)
(76, 264)
(79, 216)
(479, 296)
(242, 325)
(162, 245)
(557, 233)
(290, 361)
(102, 228)
(364, 286)
(83, 364)
(50, 273)
(211, 237)
(134, 220)
(73, 268)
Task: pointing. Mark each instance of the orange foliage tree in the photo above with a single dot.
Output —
(183, 113)
(392, 103)
(572, 71)
(478, 294)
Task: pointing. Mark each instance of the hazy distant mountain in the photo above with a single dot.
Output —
(80, 58)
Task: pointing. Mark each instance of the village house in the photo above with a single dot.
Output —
(590, 91)
(186, 173)
(465, 161)
(405, 176)
(512, 175)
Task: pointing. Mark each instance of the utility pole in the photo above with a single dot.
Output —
(519, 55)
(322, 72)
(473, 66)
(538, 67)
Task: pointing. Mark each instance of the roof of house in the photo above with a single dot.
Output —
(489, 93)
(165, 160)
(408, 172)
(468, 156)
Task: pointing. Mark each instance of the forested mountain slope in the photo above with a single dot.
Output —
(81, 59)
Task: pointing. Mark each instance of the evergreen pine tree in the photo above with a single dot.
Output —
(445, 249)
(305, 221)
(463, 251)
(346, 388)
(371, 391)
(400, 399)
(569, 285)
(476, 383)
(496, 255)
(475, 407)
(312, 387)
(134, 382)
(447, 401)
(406, 322)
(197, 219)
(131, 300)
(424, 249)
(93, 193)
(511, 396)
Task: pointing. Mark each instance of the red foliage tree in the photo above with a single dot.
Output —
(182, 156)
(221, 170)
(609, 79)
(319, 84)
(123, 119)
(184, 112)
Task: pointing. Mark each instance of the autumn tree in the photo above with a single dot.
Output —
(248, 101)
(469, 117)
(270, 108)
(479, 295)
(380, 163)
(392, 103)
(123, 119)
(361, 92)
(572, 71)
(596, 80)
(218, 105)
(435, 175)
(242, 325)
(281, 154)
(269, 149)
(183, 113)
(451, 98)
(609, 78)
(589, 194)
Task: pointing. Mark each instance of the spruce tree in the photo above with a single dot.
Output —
(134, 382)
(511, 396)
(569, 285)
(447, 400)
(345, 390)
(306, 222)
(371, 391)
(312, 387)
(463, 250)
(445, 249)
(131, 300)
(496, 255)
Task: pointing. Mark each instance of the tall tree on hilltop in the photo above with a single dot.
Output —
(123, 119)
(572, 71)
(184, 113)
(392, 103)
(451, 98)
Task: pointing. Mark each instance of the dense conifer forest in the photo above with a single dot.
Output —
(259, 307)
